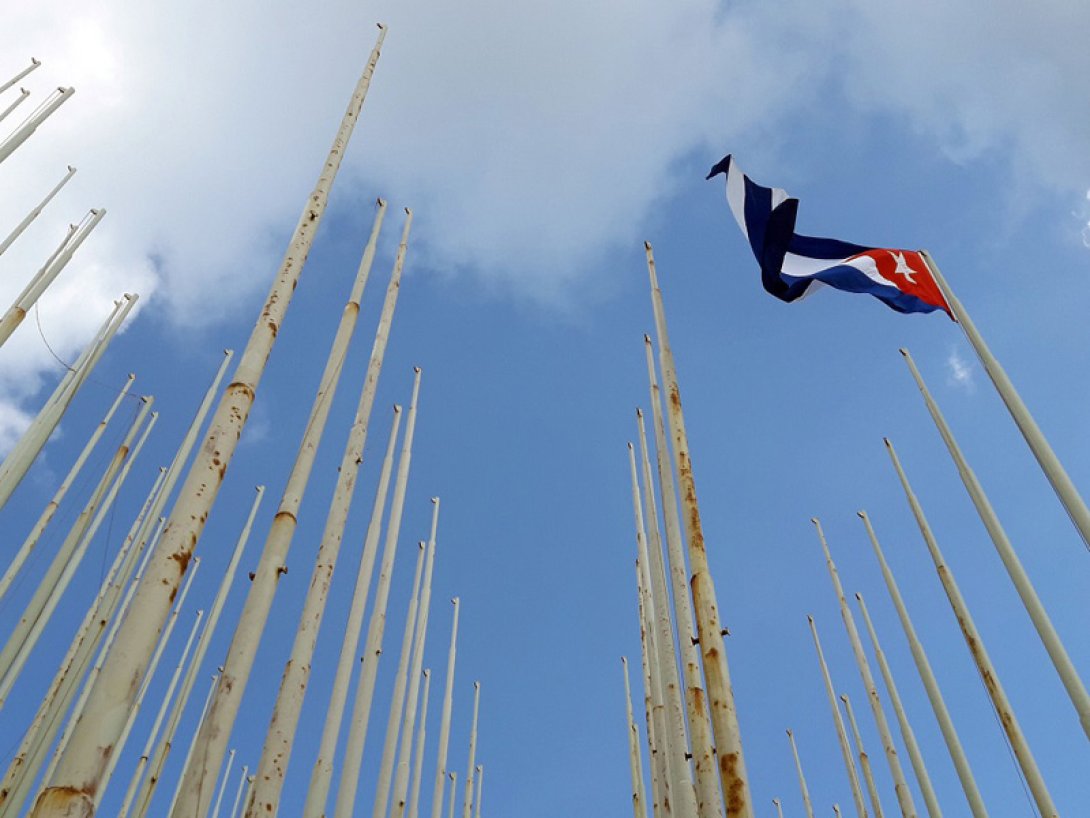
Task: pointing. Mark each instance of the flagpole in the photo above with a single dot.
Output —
(635, 759)
(33, 64)
(900, 783)
(802, 778)
(166, 742)
(322, 774)
(480, 785)
(930, 683)
(1046, 457)
(444, 722)
(652, 709)
(724, 716)
(1072, 683)
(864, 759)
(779, 809)
(983, 662)
(680, 789)
(23, 94)
(31, 123)
(838, 722)
(79, 774)
(709, 799)
(421, 736)
(35, 211)
(453, 788)
(193, 743)
(212, 742)
(223, 785)
(915, 756)
(467, 802)
(238, 792)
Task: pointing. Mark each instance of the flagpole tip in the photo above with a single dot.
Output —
(455, 600)
(646, 338)
(843, 698)
(810, 619)
(647, 246)
(630, 447)
(435, 500)
(416, 369)
(382, 26)
(420, 544)
(815, 521)
(408, 211)
(380, 202)
(858, 596)
(477, 685)
(35, 61)
(903, 351)
(71, 169)
(639, 412)
(397, 409)
(789, 733)
(861, 514)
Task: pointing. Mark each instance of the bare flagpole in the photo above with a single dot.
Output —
(983, 662)
(724, 715)
(864, 759)
(468, 801)
(1065, 668)
(193, 742)
(421, 735)
(802, 778)
(652, 710)
(11, 82)
(1038, 444)
(23, 94)
(31, 123)
(35, 211)
(453, 787)
(930, 683)
(635, 759)
(480, 786)
(444, 722)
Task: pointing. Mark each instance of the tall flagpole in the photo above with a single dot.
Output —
(983, 662)
(79, 774)
(779, 809)
(864, 759)
(1072, 683)
(215, 735)
(9, 83)
(724, 716)
(23, 94)
(838, 722)
(802, 778)
(444, 722)
(35, 211)
(31, 123)
(900, 783)
(635, 759)
(930, 683)
(421, 736)
(238, 793)
(1050, 464)
(652, 708)
(223, 785)
(468, 801)
(193, 742)
(915, 756)
(453, 788)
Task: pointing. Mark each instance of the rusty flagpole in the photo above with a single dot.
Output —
(724, 716)
(635, 759)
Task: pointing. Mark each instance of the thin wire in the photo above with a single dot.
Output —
(69, 367)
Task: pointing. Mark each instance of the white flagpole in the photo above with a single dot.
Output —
(212, 743)
(47, 274)
(397, 701)
(35, 211)
(480, 784)
(444, 722)
(79, 774)
(779, 809)
(709, 799)
(408, 722)
(223, 785)
(365, 688)
(975, 643)
(930, 683)
(468, 801)
(635, 759)
(864, 759)
(915, 756)
(322, 774)
(1038, 444)
(724, 715)
(421, 736)
(23, 94)
(51, 507)
(836, 810)
(453, 788)
(802, 778)
(166, 741)
(33, 64)
(31, 123)
(838, 722)
(193, 743)
(272, 768)
(652, 709)
(900, 783)
(1072, 683)
(238, 793)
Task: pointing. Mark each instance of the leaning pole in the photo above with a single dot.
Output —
(79, 774)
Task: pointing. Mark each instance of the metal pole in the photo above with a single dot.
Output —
(635, 759)
(35, 211)
(322, 775)
(444, 722)
(838, 722)
(33, 64)
(779, 809)
(272, 768)
(864, 759)
(51, 507)
(900, 783)
(408, 721)
(930, 683)
(223, 785)
(421, 736)
(193, 744)
(453, 787)
(23, 94)
(79, 774)
(47, 274)
(983, 662)
(1050, 464)
(238, 793)
(468, 801)
(166, 742)
(30, 125)
(480, 783)
(1074, 686)
(652, 709)
(802, 778)
(372, 652)
(922, 778)
(724, 716)
(709, 799)
(212, 743)
(397, 701)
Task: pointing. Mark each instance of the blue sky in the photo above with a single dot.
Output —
(538, 150)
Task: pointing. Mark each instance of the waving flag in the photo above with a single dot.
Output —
(793, 265)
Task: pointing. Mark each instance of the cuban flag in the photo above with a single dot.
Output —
(794, 266)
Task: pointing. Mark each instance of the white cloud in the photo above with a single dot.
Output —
(959, 372)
